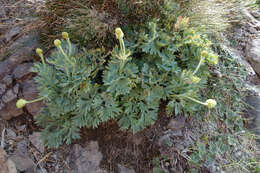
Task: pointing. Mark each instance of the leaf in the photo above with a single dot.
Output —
(120, 86)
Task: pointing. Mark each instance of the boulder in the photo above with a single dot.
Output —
(30, 92)
(253, 54)
(86, 159)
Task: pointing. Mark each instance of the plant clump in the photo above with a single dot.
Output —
(155, 65)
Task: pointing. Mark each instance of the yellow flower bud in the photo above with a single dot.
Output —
(65, 35)
(211, 103)
(119, 33)
(204, 53)
(39, 51)
(57, 42)
(21, 103)
(195, 79)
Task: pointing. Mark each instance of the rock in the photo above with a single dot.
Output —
(254, 112)
(12, 33)
(22, 70)
(23, 48)
(7, 80)
(6, 165)
(177, 123)
(2, 88)
(21, 147)
(253, 54)
(9, 96)
(11, 133)
(10, 110)
(6, 67)
(22, 161)
(36, 141)
(86, 159)
(16, 89)
(2, 105)
(256, 14)
(30, 92)
(123, 169)
(3, 161)
(252, 30)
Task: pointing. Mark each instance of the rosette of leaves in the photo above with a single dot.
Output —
(64, 83)
(159, 68)
(158, 64)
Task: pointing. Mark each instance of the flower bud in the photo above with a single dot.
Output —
(39, 51)
(204, 53)
(119, 33)
(211, 103)
(195, 79)
(21, 103)
(65, 35)
(57, 42)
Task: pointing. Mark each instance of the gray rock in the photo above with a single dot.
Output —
(86, 159)
(123, 169)
(6, 67)
(2, 105)
(23, 48)
(2, 88)
(7, 80)
(36, 141)
(177, 123)
(254, 112)
(253, 54)
(22, 70)
(11, 133)
(12, 33)
(23, 162)
(21, 147)
(256, 14)
(16, 89)
(10, 110)
(6, 165)
(9, 96)
(30, 92)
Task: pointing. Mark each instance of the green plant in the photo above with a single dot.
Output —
(223, 143)
(155, 65)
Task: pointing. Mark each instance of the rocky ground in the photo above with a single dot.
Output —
(105, 149)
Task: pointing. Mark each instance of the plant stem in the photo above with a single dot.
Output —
(198, 66)
(36, 100)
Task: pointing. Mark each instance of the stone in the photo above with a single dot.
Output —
(254, 113)
(30, 92)
(23, 48)
(2, 89)
(11, 133)
(12, 33)
(256, 14)
(2, 105)
(177, 123)
(9, 96)
(36, 141)
(10, 110)
(7, 80)
(22, 70)
(3, 161)
(6, 165)
(87, 158)
(16, 89)
(5, 67)
(22, 161)
(253, 54)
(21, 147)
(123, 169)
